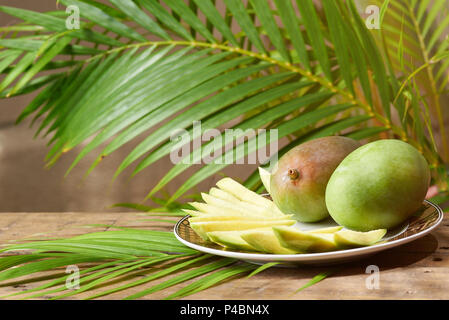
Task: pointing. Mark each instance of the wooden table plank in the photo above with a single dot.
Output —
(417, 270)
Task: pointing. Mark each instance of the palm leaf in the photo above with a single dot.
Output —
(318, 278)
(423, 28)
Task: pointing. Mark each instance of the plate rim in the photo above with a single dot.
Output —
(310, 256)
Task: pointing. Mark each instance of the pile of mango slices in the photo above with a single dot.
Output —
(237, 218)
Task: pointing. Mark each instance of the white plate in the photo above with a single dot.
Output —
(420, 224)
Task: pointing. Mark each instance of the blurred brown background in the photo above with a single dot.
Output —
(25, 185)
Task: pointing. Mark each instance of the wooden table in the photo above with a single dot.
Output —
(418, 270)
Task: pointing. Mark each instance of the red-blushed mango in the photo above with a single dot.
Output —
(299, 179)
(378, 186)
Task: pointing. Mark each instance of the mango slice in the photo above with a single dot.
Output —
(230, 239)
(326, 230)
(218, 193)
(349, 238)
(207, 209)
(202, 228)
(240, 206)
(265, 241)
(265, 177)
(302, 241)
(216, 217)
(244, 194)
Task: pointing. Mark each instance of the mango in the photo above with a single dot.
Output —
(349, 238)
(248, 196)
(265, 241)
(265, 177)
(230, 239)
(302, 241)
(218, 193)
(378, 186)
(202, 228)
(213, 217)
(242, 206)
(326, 230)
(298, 181)
(208, 209)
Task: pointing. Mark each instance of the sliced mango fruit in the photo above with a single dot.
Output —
(202, 228)
(326, 230)
(265, 177)
(244, 194)
(207, 209)
(301, 241)
(240, 206)
(349, 238)
(218, 193)
(238, 218)
(230, 239)
(216, 217)
(265, 241)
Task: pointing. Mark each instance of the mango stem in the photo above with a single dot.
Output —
(293, 174)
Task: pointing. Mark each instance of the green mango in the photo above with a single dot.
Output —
(349, 238)
(298, 181)
(378, 186)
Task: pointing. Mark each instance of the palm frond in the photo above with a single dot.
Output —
(116, 254)
(422, 30)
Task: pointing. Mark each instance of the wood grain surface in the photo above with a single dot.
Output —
(418, 270)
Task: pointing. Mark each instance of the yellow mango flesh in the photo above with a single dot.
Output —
(301, 241)
(230, 239)
(202, 228)
(349, 238)
(265, 241)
